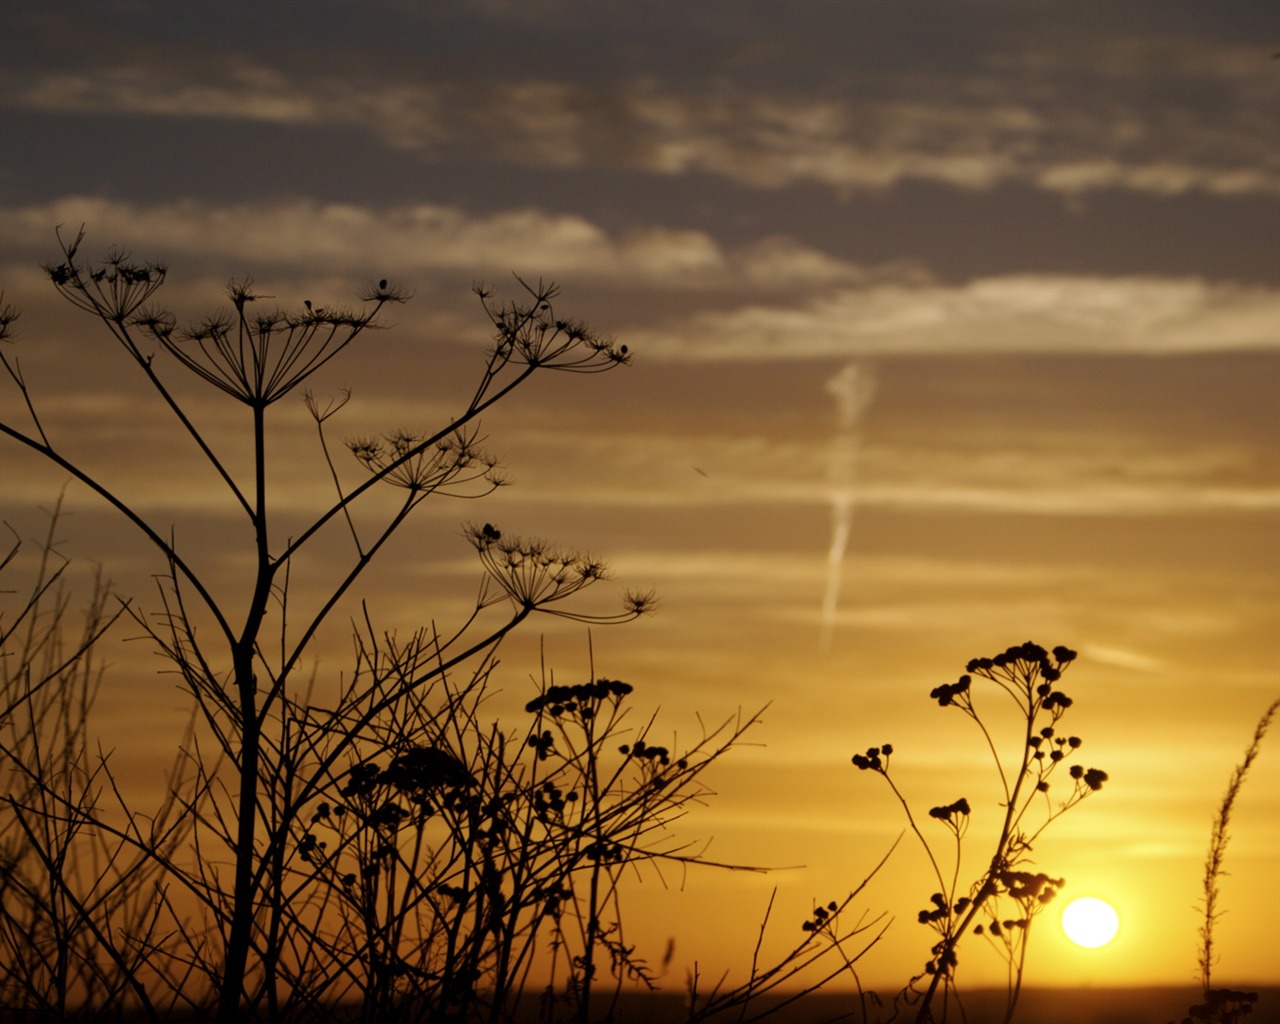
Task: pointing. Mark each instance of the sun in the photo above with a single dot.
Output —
(1090, 922)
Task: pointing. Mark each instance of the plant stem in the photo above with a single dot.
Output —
(244, 891)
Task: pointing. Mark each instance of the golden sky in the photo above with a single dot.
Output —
(955, 324)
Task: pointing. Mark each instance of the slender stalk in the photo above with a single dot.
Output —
(1218, 839)
(244, 887)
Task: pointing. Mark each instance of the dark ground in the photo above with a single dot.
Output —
(1044, 1006)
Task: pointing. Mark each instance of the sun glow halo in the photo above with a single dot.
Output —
(1090, 922)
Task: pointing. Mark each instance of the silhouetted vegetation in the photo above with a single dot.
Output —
(375, 844)
(1223, 1005)
(387, 846)
(1004, 900)
(68, 888)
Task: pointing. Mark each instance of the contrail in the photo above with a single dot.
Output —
(853, 388)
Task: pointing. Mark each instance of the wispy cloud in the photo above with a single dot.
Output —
(328, 238)
(853, 388)
(777, 298)
(1119, 657)
(1165, 119)
(243, 94)
(1040, 313)
(1036, 474)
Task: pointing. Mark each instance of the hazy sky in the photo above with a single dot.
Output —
(955, 324)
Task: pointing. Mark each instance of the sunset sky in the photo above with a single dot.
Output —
(955, 324)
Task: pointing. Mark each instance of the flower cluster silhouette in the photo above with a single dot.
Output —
(1029, 676)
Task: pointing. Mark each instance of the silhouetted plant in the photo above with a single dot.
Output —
(446, 850)
(805, 968)
(78, 909)
(1002, 902)
(383, 841)
(244, 680)
(392, 846)
(1223, 1005)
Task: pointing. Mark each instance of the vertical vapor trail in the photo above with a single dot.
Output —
(853, 388)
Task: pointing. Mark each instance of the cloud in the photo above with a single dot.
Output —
(329, 238)
(1035, 313)
(1119, 657)
(774, 298)
(1192, 120)
(1161, 178)
(303, 233)
(1038, 474)
(804, 303)
(245, 94)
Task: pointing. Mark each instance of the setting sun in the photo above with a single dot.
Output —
(1090, 922)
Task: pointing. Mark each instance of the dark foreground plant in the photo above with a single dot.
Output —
(460, 861)
(1005, 898)
(379, 842)
(67, 890)
(1223, 1005)
(256, 762)
(830, 948)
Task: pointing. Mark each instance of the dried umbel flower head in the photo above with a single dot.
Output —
(822, 918)
(952, 812)
(1090, 778)
(259, 357)
(530, 571)
(1026, 672)
(455, 465)
(872, 760)
(533, 575)
(420, 768)
(8, 314)
(1032, 889)
(582, 700)
(113, 289)
(529, 333)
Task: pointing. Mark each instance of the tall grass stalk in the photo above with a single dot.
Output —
(1223, 1006)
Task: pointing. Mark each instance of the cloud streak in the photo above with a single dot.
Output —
(1036, 313)
(329, 238)
(853, 389)
(1041, 474)
(1006, 120)
(776, 298)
